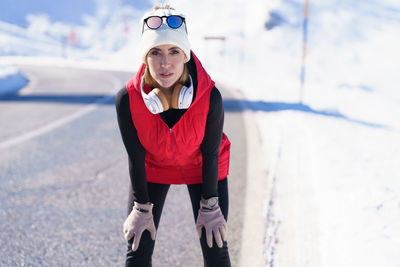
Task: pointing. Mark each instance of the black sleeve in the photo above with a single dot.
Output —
(211, 144)
(136, 152)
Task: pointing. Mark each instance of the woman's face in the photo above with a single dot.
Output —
(166, 64)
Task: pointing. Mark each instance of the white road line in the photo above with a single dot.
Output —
(63, 121)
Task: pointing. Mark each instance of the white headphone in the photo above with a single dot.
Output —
(157, 102)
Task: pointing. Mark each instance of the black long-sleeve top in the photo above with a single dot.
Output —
(209, 146)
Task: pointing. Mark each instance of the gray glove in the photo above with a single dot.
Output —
(139, 220)
(214, 223)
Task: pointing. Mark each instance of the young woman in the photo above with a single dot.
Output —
(171, 119)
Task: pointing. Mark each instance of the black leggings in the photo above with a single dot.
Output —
(214, 256)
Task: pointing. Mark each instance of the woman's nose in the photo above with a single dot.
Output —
(164, 61)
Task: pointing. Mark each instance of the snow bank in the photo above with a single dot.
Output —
(11, 79)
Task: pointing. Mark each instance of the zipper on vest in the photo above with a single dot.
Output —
(175, 160)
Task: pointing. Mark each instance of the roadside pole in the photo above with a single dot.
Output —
(303, 58)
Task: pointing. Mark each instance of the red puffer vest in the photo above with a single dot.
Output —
(173, 155)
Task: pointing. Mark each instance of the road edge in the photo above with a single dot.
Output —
(253, 233)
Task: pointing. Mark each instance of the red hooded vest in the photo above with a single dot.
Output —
(173, 156)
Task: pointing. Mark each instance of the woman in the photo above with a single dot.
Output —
(171, 118)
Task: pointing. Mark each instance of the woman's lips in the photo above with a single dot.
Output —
(166, 75)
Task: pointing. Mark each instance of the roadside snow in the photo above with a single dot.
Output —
(336, 190)
(11, 79)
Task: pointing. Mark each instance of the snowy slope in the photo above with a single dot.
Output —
(42, 33)
(336, 182)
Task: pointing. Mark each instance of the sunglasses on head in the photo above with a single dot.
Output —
(155, 22)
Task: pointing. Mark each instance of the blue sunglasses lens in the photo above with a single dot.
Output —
(174, 21)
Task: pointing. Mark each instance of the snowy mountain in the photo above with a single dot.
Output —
(59, 29)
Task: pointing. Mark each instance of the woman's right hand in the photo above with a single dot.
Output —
(214, 223)
(139, 220)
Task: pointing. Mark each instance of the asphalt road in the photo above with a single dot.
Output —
(64, 177)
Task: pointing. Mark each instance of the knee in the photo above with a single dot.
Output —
(214, 256)
(142, 256)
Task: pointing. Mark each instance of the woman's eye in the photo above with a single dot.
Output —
(154, 53)
(174, 52)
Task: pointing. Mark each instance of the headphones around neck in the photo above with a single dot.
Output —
(157, 102)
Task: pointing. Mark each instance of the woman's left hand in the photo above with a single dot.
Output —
(139, 220)
(214, 223)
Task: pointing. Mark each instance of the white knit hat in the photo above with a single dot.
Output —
(165, 34)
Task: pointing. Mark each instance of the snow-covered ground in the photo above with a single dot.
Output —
(334, 158)
(333, 196)
(11, 79)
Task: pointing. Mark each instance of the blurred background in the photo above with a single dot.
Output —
(318, 78)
